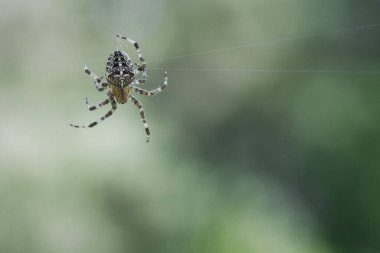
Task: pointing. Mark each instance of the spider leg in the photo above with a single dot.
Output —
(155, 91)
(91, 108)
(136, 72)
(142, 66)
(108, 114)
(137, 103)
(138, 81)
(97, 80)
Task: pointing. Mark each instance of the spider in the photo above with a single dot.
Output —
(121, 80)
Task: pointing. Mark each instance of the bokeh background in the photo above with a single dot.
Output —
(266, 148)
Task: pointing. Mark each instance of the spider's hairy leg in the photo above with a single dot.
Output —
(97, 80)
(142, 66)
(137, 103)
(144, 74)
(138, 81)
(92, 108)
(108, 114)
(155, 91)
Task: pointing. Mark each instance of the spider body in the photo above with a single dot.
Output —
(121, 82)
(119, 69)
(119, 74)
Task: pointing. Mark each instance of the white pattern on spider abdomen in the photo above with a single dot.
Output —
(119, 69)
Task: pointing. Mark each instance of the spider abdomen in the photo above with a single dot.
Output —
(119, 69)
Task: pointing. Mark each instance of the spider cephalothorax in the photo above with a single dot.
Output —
(121, 80)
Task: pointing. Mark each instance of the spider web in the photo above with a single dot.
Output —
(269, 42)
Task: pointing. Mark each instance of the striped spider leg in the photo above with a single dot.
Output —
(140, 68)
(111, 100)
(152, 92)
(97, 80)
(137, 103)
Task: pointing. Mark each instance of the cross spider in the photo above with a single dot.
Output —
(120, 75)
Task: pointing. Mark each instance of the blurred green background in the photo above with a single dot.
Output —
(273, 147)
